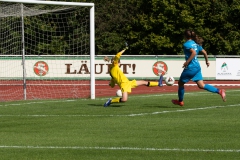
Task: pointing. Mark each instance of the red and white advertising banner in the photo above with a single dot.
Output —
(68, 68)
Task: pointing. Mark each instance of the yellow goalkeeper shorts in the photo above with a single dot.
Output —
(127, 86)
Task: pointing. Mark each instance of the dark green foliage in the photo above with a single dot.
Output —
(112, 21)
(154, 27)
(54, 37)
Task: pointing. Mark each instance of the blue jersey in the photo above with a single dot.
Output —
(190, 44)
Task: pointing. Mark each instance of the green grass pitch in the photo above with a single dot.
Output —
(146, 127)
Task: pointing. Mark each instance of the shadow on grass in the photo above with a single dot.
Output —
(112, 105)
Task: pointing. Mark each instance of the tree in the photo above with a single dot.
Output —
(156, 27)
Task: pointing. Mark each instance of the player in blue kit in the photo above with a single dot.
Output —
(192, 68)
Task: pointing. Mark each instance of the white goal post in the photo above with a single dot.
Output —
(81, 49)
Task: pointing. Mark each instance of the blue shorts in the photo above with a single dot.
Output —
(193, 74)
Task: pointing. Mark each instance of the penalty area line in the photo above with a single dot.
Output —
(124, 148)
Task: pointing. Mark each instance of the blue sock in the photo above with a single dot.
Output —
(181, 92)
(160, 81)
(210, 88)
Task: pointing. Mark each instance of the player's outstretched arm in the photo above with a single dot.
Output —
(206, 57)
(122, 51)
(106, 59)
(112, 83)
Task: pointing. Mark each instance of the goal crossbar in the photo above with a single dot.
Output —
(51, 2)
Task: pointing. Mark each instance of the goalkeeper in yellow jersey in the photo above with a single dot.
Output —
(122, 81)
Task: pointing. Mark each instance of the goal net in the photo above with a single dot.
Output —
(46, 50)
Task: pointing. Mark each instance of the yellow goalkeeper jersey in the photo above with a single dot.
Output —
(116, 73)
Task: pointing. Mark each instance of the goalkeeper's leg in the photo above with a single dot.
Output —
(151, 83)
(116, 100)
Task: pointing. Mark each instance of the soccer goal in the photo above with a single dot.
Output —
(47, 50)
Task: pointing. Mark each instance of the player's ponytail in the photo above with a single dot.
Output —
(189, 34)
(197, 39)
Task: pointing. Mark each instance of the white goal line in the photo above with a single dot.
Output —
(124, 148)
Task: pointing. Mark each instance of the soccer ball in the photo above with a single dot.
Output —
(119, 93)
(169, 81)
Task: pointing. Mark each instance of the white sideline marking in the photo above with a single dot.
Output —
(124, 148)
(39, 102)
(127, 115)
(130, 115)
